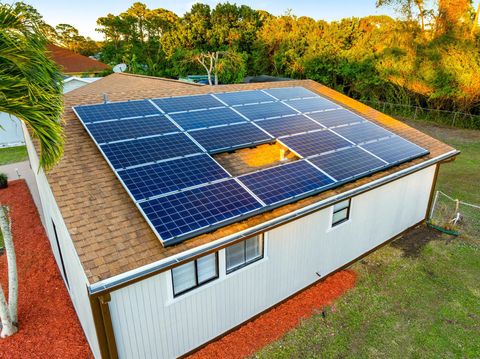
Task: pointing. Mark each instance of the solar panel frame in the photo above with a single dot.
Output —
(244, 97)
(117, 130)
(289, 93)
(313, 104)
(360, 163)
(115, 111)
(148, 150)
(265, 110)
(207, 118)
(187, 103)
(146, 182)
(220, 139)
(314, 143)
(176, 216)
(289, 125)
(284, 183)
(383, 149)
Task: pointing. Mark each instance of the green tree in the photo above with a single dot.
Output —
(31, 86)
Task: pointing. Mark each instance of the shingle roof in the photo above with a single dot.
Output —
(71, 62)
(109, 233)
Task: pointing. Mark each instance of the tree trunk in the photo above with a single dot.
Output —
(215, 67)
(6, 229)
(422, 16)
(475, 21)
(7, 326)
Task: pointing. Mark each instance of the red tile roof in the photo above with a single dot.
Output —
(72, 62)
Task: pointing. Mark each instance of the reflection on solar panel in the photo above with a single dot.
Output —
(288, 125)
(208, 118)
(335, 118)
(115, 111)
(146, 150)
(159, 178)
(227, 137)
(183, 192)
(288, 93)
(244, 97)
(395, 150)
(362, 132)
(265, 110)
(314, 143)
(312, 104)
(285, 182)
(204, 207)
(187, 103)
(350, 163)
(131, 128)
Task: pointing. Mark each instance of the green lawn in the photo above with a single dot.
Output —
(418, 297)
(13, 154)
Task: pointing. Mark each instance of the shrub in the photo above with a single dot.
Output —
(3, 180)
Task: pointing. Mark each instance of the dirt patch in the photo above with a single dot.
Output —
(49, 327)
(412, 242)
(272, 325)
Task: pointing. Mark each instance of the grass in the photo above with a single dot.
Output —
(13, 155)
(417, 297)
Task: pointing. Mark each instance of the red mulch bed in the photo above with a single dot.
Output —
(272, 325)
(49, 327)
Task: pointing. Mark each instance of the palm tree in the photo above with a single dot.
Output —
(30, 82)
(31, 90)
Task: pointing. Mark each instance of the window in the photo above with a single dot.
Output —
(243, 253)
(341, 212)
(194, 274)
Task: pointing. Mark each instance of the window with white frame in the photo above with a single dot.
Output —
(243, 253)
(341, 212)
(195, 273)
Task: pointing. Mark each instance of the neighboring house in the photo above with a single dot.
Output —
(11, 133)
(138, 298)
(74, 64)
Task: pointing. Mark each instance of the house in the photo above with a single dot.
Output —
(74, 64)
(140, 292)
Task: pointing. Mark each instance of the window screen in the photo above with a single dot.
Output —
(341, 212)
(243, 253)
(195, 273)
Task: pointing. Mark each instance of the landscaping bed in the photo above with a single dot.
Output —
(273, 324)
(49, 327)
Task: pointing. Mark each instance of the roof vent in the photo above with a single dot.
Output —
(105, 98)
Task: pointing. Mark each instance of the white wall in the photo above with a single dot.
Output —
(11, 133)
(73, 268)
(149, 323)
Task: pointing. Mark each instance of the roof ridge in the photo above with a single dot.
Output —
(158, 78)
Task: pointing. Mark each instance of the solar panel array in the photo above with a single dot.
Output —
(161, 149)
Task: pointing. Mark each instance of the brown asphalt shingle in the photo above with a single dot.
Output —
(73, 63)
(109, 233)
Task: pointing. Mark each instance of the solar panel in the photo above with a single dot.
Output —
(277, 184)
(395, 150)
(312, 104)
(265, 110)
(228, 137)
(159, 178)
(115, 111)
(314, 143)
(187, 103)
(350, 163)
(145, 150)
(362, 132)
(131, 128)
(208, 118)
(337, 117)
(289, 93)
(205, 207)
(243, 97)
(288, 125)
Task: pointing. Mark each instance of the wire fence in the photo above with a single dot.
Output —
(451, 118)
(454, 215)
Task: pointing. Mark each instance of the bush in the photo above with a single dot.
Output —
(3, 180)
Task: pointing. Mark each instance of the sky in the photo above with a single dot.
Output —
(83, 14)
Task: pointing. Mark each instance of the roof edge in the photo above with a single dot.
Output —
(160, 79)
(143, 272)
